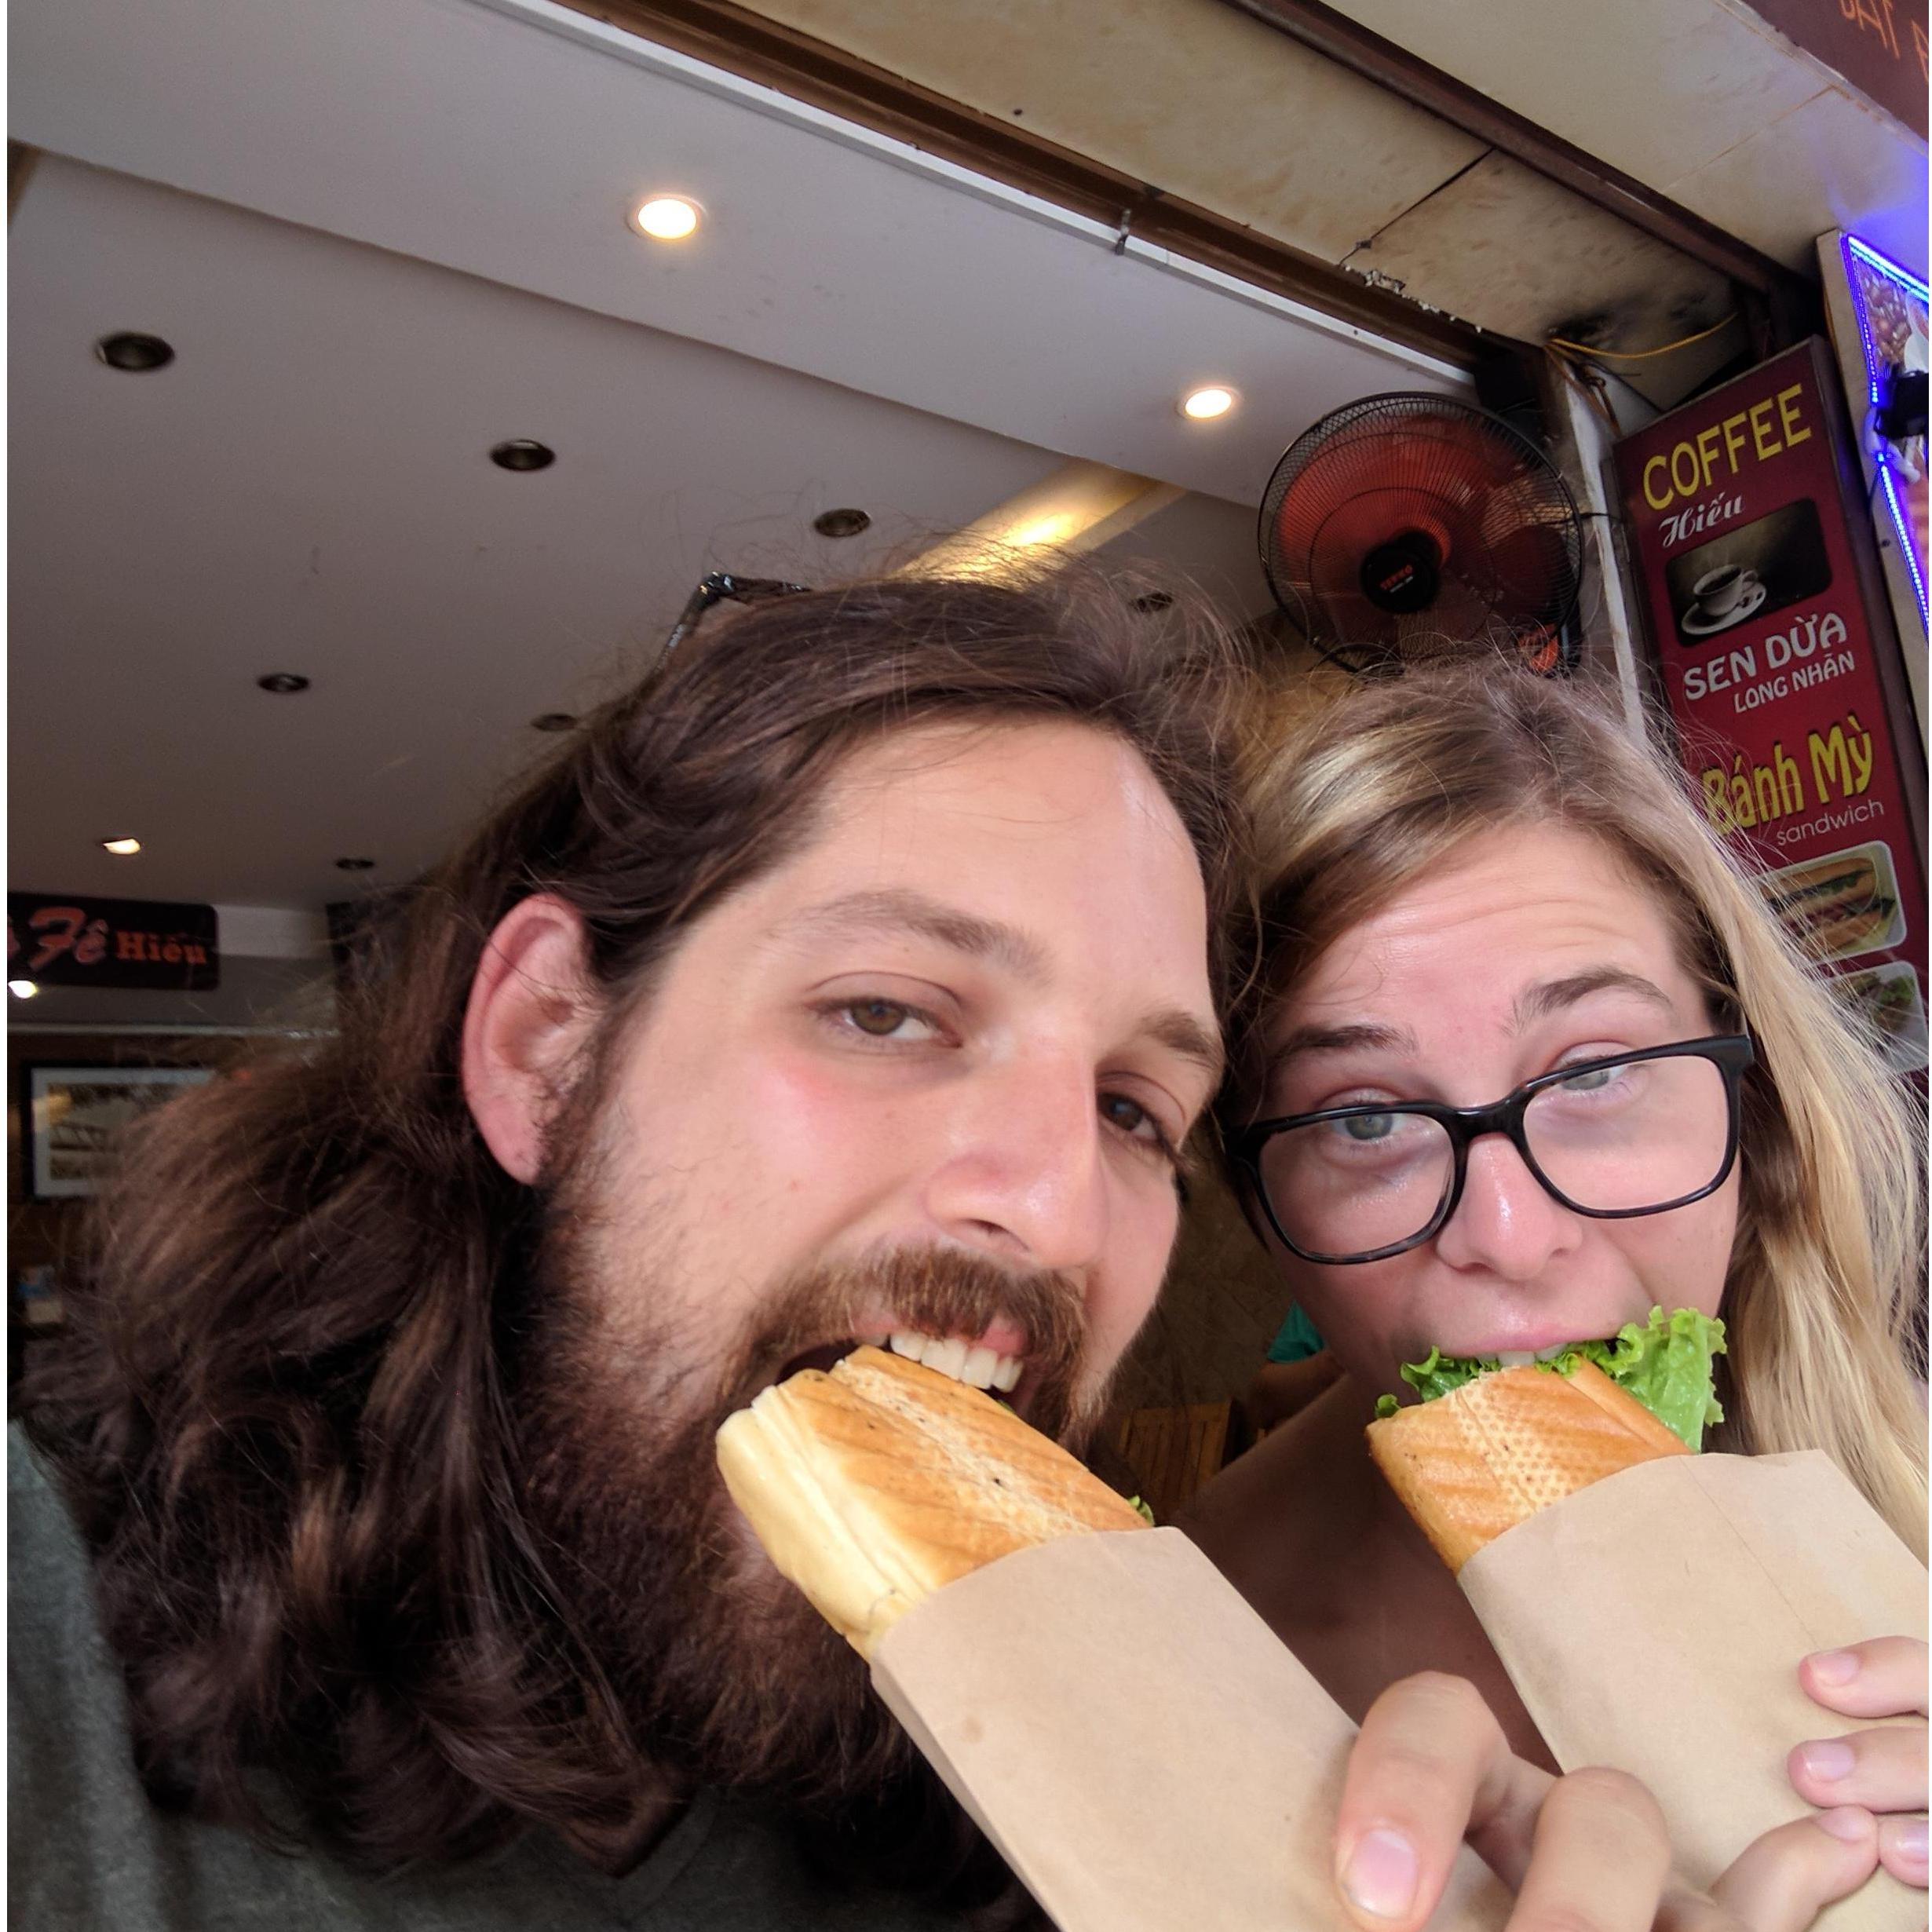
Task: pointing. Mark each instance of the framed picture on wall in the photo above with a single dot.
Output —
(72, 1115)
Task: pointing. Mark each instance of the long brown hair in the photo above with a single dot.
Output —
(1360, 797)
(280, 1417)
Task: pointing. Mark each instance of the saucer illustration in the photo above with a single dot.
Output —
(1700, 623)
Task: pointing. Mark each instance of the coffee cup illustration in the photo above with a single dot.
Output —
(1719, 592)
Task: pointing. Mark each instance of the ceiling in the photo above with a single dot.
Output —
(1227, 112)
(1221, 104)
(1704, 100)
(385, 234)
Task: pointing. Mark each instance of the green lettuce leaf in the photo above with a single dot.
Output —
(1665, 1363)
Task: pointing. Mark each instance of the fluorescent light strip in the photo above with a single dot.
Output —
(1904, 539)
(672, 65)
(1887, 266)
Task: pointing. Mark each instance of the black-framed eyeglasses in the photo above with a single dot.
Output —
(1629, 1134)
(716, 586)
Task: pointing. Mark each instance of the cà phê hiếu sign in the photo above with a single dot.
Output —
(76, 939)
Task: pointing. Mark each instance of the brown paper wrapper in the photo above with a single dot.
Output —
(1655, 1622)
(1138, 1744)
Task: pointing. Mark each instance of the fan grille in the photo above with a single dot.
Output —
(1495, 509)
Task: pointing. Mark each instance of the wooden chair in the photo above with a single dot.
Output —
(1172, 1451)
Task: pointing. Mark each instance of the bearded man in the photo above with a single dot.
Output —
(857, 974)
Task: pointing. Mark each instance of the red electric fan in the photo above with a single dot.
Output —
(1409, 526)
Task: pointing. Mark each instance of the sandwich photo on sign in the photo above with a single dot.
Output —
(1888, 999)
(1841, 905)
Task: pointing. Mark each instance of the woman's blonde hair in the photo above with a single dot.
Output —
(1360, 797)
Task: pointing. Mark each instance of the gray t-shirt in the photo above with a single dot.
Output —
(86, 1849)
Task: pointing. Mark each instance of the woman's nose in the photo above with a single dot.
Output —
(1506, 1221)
(1022, 1173)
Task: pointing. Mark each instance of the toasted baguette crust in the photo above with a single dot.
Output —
(1476, 1461)
(873, 1485)
(1622, 1407)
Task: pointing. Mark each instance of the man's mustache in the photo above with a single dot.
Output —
(938, 1291)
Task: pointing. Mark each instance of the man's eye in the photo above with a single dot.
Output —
(881, 1018)
(1134, 1121)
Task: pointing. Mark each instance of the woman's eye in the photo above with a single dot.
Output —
(1591, 1082)
(1369, 1126)
(885, 1020)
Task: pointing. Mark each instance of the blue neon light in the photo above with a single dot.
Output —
(1855, 249)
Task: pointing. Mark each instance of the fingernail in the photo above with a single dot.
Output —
(1381, 1874)
(1828, 1759)
(1847, 1822)
(1910, 1840)
(1835, 1667)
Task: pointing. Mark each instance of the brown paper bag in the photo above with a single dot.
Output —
(1655, 1621)
(1135, 1741)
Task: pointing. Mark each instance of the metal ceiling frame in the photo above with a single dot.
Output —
(825, 76)
(1786, 304)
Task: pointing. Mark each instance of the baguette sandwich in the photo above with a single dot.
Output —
(1489, 1446)
(1885, 1000)
(1835, 906)
(875, 1485)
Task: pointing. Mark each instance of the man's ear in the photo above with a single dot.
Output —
(531, 1009)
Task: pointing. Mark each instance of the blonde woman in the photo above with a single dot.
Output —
(1477, 883)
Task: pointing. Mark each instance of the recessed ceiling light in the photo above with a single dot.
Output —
(137, 353)
(120, 848)
(1203, 405)
(521, 454)
(355, 865)
(841, 523)
(667, 218)
(553, 721)
(283, 683)
(22, 989)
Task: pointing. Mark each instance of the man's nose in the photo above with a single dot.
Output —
(1022, 1174)
(1506, 1221)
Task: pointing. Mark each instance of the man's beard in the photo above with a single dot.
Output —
(723, 1672)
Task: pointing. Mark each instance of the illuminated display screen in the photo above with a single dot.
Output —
(1891, 306)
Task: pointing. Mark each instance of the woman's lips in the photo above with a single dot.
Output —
(1525, 1341)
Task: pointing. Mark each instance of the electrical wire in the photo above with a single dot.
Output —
(1576, 362)
(1641, 355)
(1589, 380)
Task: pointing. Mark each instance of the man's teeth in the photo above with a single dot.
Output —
(1521, 1358)
(978, 1367)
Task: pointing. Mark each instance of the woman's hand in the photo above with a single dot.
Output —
(1882, 1770)
(1588, 1852)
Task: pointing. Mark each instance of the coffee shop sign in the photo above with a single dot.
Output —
(1749, 796)
(1803, 638)
(1766, 429)
(77, 941)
